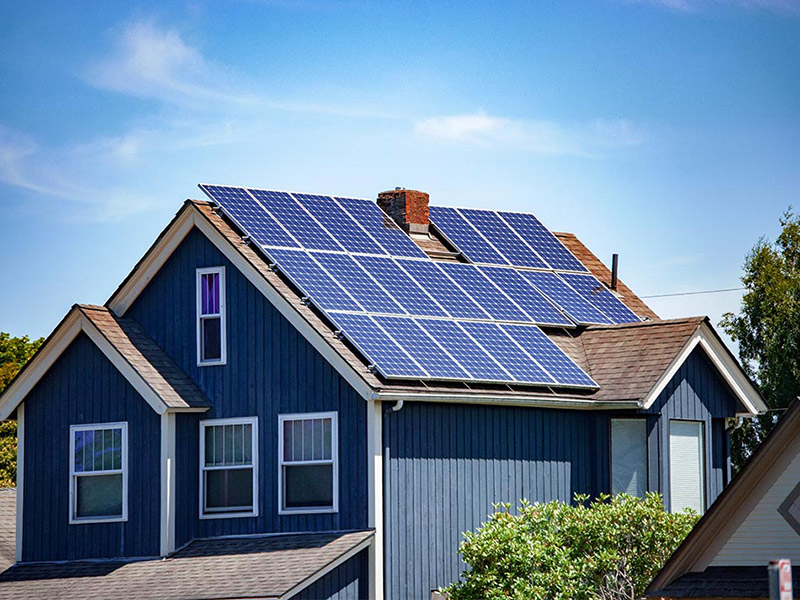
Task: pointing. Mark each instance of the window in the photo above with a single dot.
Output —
(98, 472)
(211, 316)
(686, 466)
(308, 480)
(228, 468)
(629, 457)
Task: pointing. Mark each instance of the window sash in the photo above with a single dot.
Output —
(210, 298)
(78, 471)
(251, 464)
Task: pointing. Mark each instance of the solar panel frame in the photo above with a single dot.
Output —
(489, 224)
(542, 240)
(566, 297)
(485, 293)
(601, 297)
(458, 232)
(339, 224)
(381, 227)
(535, 304)
(400, 286)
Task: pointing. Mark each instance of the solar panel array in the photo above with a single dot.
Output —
(415, 318)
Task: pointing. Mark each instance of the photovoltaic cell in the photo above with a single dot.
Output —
(484, 292)
(495, 341)
(292, 216)
(249, 216)
(441, 287)
(548, 355)
(419, 345)
(400, 286)
(464, 236)
(363, 288)
(469, 355)
(541, 239)
(338, 223)
(575, 305)
(312, 279)
(381, 227)
(595, 292)
(376, 346)
(502, 237)
(527, 297)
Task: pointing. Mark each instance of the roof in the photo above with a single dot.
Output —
(724, 582)
(740, 495)
(8, 526)
(272, 566)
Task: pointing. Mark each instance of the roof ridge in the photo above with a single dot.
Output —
(653, 323)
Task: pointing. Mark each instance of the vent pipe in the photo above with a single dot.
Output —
(614, 269)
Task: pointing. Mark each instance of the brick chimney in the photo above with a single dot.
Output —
(408, 208)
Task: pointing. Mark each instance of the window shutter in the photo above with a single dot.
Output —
(629, 456)
(686, 468)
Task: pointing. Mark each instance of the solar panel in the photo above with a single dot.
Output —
(464, 237)
(575, 305)
(548, 355)
(390, 360)
(527, 297)
(495, 341)
(292, 216)
(400, 286)
(502, 237)
(595, 292)
(463, 348)
(421, 347)
(314, 282)
(338, 223)
(442, 289)
(484, 292)
(249, 216)
(381, 227)
(541, 239)
(363, 288)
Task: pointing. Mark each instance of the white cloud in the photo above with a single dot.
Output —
(537, 136)
(788, 7)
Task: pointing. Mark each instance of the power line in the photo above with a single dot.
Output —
(736, 289)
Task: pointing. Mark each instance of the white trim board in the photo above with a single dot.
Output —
(20, 478)
(168, 471)
(375, 497)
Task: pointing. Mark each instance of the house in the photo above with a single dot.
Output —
(301, 396)
(754, 521)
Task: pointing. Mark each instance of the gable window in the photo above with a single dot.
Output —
(687, 482)
(308, 448)
(228, 467)
(211, 316)
(629, 457)
(98, 472)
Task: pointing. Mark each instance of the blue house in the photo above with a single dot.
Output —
(301, 396)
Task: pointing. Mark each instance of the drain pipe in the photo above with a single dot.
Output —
(398, 405)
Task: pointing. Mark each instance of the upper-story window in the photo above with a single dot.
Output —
(308, 447)
(211, 316)
(98, 472)
(629, 457)
(228, 467)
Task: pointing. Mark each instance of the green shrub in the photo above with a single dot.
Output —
(610, 548)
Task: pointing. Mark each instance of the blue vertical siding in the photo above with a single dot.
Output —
(695, 393)
(271, 369)
(84, 387)
(445, 464)
(349, 581)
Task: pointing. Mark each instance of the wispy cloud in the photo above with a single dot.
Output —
(787, 7)
(537, 136)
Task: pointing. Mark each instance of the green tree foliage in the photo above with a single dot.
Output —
(608, 549)
(767, 329)
(14, 353)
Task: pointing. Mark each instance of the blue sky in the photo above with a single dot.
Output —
(664, 130)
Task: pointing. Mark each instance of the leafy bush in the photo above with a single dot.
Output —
(608, 549)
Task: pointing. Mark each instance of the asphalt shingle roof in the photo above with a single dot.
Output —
(723, 582)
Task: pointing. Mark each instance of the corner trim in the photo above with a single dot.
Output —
(375, 497)
(168, 469)
(20, 478)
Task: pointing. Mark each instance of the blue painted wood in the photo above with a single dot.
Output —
(84, 387)
(271, 370)
(349, 581)
(696, 393)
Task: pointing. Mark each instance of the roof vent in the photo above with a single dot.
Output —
(408, 208)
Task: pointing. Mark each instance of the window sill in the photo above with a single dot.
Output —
(93, 520)
(224, 515)
(212, 363)
(307, 511)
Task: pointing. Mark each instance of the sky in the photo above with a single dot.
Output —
(667, 131)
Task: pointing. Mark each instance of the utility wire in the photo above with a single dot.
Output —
(736, 289)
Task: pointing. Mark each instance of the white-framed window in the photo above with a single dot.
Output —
(687, 470)
(308, 478)
(629, 456)
(211, 334)
(98, 469)
(229, 468)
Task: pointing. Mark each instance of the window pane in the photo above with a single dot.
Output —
(78, 457)
(248, 444)
(327, 437)
(229, 488)
(629, 456)
(308, 439)
(288, 439)
(99, 496)
(210, 290)
(297, 440)
(211, 338)
(116, 448)
(319, 450)
(308, 486)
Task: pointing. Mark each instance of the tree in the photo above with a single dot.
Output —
(609, 549)
(767, 329)
(14, 353)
